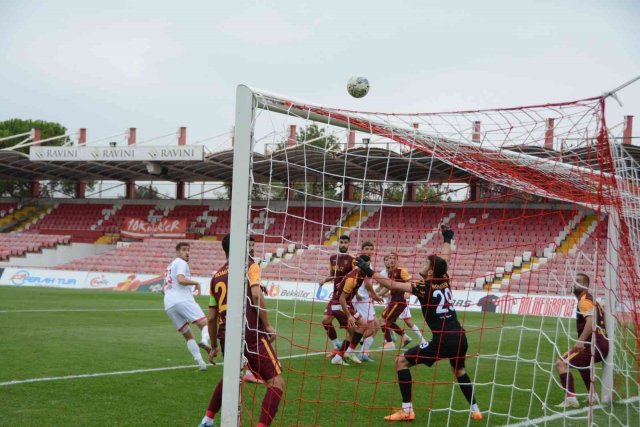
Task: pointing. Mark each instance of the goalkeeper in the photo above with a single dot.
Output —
(449, 340)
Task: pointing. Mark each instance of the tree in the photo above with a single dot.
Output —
(429, 193)
(311, 136)
(147, 192)
(20, 189)
(497, 192)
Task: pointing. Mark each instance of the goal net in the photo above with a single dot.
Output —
(534, 196)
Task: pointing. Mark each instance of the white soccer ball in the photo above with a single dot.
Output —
(358, 86)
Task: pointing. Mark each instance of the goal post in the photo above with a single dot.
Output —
(534, 196)
(239, 230)
(611, 275)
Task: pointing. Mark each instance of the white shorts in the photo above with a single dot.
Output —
(366, 310)
(183, 313)
(406, 313)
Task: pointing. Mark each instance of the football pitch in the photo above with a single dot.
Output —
(73, 357)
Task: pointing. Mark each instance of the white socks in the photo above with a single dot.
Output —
(367, 345)
(195, 351)
(336, 344)
(205, 336)
(474, 408)
(416, 330)
(407, 407)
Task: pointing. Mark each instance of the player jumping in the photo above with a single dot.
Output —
(449, 340)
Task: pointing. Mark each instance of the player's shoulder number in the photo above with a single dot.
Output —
(220, 288)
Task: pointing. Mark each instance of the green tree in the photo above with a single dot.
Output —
(20, 189)
(380, 191)
(148, 192)
(429, 193)
(314, 137)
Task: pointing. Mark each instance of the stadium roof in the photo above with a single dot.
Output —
(298, 162)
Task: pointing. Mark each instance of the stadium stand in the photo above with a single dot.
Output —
(18, 244)
(114, 218)
(76, 220)
(7, 208)
(295, 240)
(307, 226)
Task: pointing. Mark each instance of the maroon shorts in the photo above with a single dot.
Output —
(328, 311)
(582, 359)
(336, 311)
(394, 310)
(262, 359)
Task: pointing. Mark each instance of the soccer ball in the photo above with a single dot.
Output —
(358, 86)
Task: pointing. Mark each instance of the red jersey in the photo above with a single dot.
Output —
(587, 306)
(399, 275)
(254, 328)
(349, 285)
(218, 297)
(340, 265)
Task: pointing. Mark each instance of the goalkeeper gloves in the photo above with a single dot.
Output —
(363, 265)
(447, 233)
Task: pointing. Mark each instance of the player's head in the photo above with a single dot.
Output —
(580, 284)
(343, 243)
(226, 242)
(391, 261)
(182, 250)
(386, 262)
(436, 267)
(367, 248)
(252, 244)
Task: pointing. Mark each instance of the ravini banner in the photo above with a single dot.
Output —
(139, 228)
(120, 154)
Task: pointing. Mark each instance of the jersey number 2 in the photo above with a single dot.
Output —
(444, 298)
(222, 287)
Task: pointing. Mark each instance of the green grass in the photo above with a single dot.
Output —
(106, 338)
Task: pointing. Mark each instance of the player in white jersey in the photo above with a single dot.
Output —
(180, 305)
(364, 306)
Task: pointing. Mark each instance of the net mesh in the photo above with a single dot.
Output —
(529, 193)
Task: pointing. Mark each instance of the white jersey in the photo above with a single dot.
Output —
(363, 293)
(174, 292)
(385, 273)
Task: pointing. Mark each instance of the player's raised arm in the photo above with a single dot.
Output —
(447, 235)
(384, 281)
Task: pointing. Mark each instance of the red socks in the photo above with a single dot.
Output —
(270, 405)
(216, 401)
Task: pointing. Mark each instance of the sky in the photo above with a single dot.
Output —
(155, 65)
